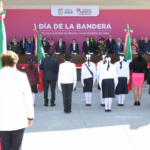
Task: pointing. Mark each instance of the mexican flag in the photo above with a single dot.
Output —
(3, 43)
(127, 45)
(127, 52)
(39, 52)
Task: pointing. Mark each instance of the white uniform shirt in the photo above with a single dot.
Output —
(74, 48)
(108, 74)
(67, 73)
(124, 72)
(16, 104)
(85, 74)
(99, 65)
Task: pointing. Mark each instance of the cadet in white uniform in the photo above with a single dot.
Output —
(122, 69)
(99, 65)
(108, 81)
(88, 78)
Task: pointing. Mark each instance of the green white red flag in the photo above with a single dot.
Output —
(127, 52)
(39, 52)
(3, 42)
(127, 45)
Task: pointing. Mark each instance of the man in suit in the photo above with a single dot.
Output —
(64, 43)
(110, 44)
(67, 80)
(60, 47)
(145, 48)
(118, 47)
(50, 67)
(140, 42)
(87, 46)
(15, 47)
(45, 45)
(74, 47)
(29, 47)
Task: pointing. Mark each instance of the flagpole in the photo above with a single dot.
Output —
(1, 6)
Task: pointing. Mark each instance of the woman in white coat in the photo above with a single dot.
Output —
(108, 81)
(16, 106)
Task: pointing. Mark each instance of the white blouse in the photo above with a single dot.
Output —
(108, 74)
(85, 72)
(124, 72)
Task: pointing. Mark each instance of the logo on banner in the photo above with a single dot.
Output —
(74, 10)
(84, 11)
(60, 11)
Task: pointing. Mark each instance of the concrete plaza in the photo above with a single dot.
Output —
(90, 128)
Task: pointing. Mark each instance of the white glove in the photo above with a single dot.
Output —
(59, 86)
(74, 86)
(82, 84)
(100, 85)
(115, 85)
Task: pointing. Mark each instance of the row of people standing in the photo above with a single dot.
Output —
(89, 45)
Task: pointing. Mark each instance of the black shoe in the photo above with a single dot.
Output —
(109, 110)
(89, 105)
(106, 110)
(138, 103)
(119, 104)
(103, 105)
(86, 104)
(46, 105)
(69, 112)
(52, 105)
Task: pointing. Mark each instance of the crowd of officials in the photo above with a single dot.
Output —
(90, 45)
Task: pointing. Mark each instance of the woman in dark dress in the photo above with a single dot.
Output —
(33, 77)
(93, 44)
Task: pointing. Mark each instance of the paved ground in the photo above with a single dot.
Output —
(90, 128)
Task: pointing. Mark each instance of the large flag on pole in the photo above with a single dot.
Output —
(3, 43)
(39, 52)
(127, 45)
(127, 52)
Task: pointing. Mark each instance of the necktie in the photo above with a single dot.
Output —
(121, 65)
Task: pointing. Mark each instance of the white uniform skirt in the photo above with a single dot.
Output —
(108, 88)
(88, 85)
(122, 87)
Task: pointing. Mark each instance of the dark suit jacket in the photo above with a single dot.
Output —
(61, 50)
(21, 47)
(15, 48)
(29, 48)
(46, 47)
(118, 49)
(110, 46)
(87, 48)
(145, 48)
(50, 67)
(76, 48)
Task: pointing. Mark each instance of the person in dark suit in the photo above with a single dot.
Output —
(118, 47)
(63, 42)
(22, 45)
(29, 47)
(60, 47)
(87, 46)
(45, 45)
(15, 47)
(74, 47)
(110, 44)
(140, 42)
(145, 48)
(50, 67)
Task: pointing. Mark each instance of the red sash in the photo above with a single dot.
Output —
(135, 47)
